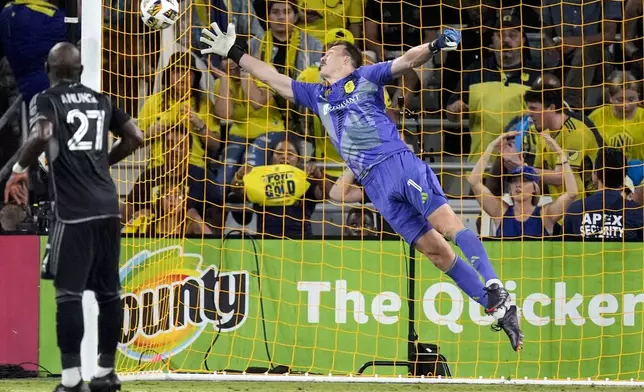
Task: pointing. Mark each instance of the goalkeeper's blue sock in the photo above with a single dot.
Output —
(467, 280)
(473, 249)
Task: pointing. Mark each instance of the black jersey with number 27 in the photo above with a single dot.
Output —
(80, 183)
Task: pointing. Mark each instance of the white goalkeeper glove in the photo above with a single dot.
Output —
(219, 43)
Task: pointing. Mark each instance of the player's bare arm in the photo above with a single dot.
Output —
(223, 44)
(551, 177)
(419, 55)
(41, 132)
(267, 74)
(345, 190)
(555, 210)
(131, 138)
(17, 186)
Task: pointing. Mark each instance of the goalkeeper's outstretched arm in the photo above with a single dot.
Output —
(267, 74)
(224, 44)
(421, 54)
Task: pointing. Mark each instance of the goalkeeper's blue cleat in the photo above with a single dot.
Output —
(80, 387)
(510, 325)
(499, 305)
(497, 297)
(108, 383)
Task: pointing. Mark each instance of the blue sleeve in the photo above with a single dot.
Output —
(379, 74)
(305, 94)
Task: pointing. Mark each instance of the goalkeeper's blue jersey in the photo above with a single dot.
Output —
(352, 111)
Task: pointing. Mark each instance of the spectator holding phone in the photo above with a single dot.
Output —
(524, 217)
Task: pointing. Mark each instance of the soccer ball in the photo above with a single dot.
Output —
(159, 14)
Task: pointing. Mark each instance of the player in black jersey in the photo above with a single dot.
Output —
(70, 122)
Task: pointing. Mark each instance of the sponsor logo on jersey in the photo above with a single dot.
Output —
(171, 297)
(327, 108)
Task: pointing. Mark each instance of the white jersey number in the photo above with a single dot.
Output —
(77, 142)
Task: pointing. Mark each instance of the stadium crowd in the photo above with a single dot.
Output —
(540, 108)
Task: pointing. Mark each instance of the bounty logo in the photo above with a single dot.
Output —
(171, 298)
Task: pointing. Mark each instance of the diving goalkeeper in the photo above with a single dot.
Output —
(400, 185)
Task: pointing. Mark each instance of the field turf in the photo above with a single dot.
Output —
(47, 385)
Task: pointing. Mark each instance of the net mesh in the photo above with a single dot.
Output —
(240, 255)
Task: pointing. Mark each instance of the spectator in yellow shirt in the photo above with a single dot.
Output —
(177, 145)
(290, 50)
(181, 104)
(575, 133)
(621, 121)
(251, 107)
(284, 193)
(321, 16)
(169, 215)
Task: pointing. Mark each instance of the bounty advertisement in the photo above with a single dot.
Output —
(320, 307)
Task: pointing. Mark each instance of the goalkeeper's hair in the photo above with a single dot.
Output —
(352, 51)
(610, 167)
(546, 90)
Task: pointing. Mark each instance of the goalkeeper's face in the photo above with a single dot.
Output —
(334, 62)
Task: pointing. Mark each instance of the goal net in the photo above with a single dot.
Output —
(237, 260)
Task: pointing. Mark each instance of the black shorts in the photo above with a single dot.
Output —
(85, 256)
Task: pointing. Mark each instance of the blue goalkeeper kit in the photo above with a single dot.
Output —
(400, 185)
(403, 188)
